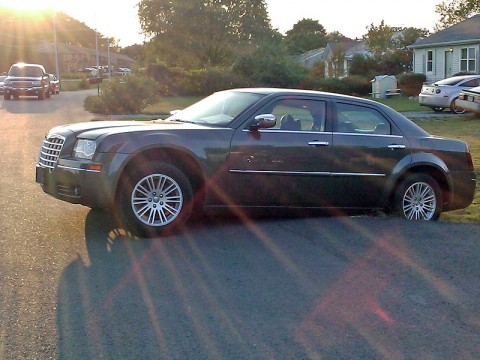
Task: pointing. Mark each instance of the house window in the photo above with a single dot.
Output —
(468, 60)
(430, 61)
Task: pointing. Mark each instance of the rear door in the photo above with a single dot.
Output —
(366, 148)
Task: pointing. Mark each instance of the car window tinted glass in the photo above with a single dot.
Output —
(450, 81)
(471, 83)
(218, 109)
(32, 71)
(361, 120)
(299, 115)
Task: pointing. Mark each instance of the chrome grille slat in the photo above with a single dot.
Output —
(50, 151)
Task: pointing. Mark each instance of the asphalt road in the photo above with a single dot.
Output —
(75, 287)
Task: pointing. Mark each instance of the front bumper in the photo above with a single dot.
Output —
(30, 91)
(74, 181)
(468, 105)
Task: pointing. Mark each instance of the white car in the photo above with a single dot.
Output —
(469, 100)
(444, 93)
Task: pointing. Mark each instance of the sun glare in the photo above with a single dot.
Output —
(29, 5)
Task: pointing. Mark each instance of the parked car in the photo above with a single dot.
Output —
(261, 148)
(54, 84)
(26, 80)
(443, 94)
(2, 79)
(469, 100)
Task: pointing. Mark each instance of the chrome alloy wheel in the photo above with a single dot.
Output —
(419, 202)
(157, 200)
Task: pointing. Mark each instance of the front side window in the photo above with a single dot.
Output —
(430, 61)
(354, 119)
(468, 60)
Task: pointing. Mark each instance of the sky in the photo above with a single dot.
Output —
(119, 19)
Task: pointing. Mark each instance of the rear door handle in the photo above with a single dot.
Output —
(318, 143)
(396, 147)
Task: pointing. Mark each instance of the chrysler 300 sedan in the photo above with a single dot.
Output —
(262, 148)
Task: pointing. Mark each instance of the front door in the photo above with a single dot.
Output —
(448, 63)
(288, 165)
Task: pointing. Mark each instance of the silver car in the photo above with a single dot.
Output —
(444, 93)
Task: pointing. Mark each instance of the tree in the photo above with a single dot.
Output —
(453, 11)
(307, 34)
(336, 36)
(379, 38)
(203, 33)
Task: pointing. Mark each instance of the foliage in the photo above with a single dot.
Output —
(128, 95)
(200, 33)
(453, 11)
(178, 81)
(379, 38)
(364, 66)
(411, 83)
(351, 85)
(269, 66)
(306, 35)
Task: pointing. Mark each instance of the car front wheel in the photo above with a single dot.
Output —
(419, 198)
(155, 200)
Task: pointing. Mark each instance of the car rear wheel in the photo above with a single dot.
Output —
(419, 198)
(455, 109)
(438, 109)
(154, 200)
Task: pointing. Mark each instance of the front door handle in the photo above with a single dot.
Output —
(396, 147)
(318, 143)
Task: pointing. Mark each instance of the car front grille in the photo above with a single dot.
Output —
(22, 84)
(50, 152)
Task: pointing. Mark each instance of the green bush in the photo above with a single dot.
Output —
(351, 85)
(128, 95)
(411, 83)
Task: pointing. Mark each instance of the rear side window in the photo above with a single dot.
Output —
(354, 119)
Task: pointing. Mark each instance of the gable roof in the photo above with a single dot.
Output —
(467, 31)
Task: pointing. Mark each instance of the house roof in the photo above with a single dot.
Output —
(467, 31)
(348, 47)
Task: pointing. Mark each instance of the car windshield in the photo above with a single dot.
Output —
(218, 109)
(31, 71)
(450, 81)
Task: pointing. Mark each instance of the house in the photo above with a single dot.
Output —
(336, 56)
(450, 51)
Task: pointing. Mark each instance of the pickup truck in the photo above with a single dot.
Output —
(26, 80)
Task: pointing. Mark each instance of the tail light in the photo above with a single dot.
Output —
(470, 160)
(438, 91)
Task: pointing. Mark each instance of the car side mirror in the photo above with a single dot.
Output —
(264, 121)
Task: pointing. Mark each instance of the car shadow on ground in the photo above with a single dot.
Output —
(243, 287)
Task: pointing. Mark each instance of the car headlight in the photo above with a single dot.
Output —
(84, 149)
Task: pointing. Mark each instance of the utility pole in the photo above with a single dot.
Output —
(55, 41)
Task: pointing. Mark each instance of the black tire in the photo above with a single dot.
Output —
(41, 95)
(419, 198)
(47, 94)
(438, 109)
(455, 109)
(6, 96)
(163, 200)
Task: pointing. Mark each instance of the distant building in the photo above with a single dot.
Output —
(450, 51)
(336, 56)
(73, 58)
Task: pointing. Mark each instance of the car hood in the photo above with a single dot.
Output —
(24, 78)
(94, 129)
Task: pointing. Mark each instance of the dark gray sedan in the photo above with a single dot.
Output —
(261, 148)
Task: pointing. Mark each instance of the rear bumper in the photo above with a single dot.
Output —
(463, 190)
(433, 101)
